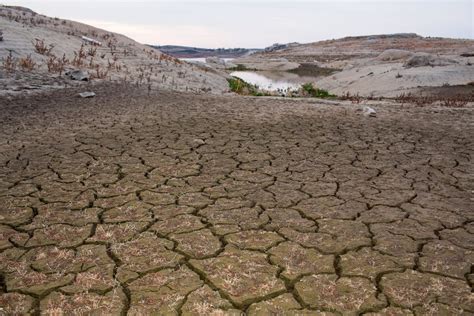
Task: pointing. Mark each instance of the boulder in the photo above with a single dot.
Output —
(394, 54)
(87, 94)
(425, 60)
(368, 111)
(80, 75)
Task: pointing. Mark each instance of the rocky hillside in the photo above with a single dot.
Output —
(369, 46)
(38, 47)
(376, 66)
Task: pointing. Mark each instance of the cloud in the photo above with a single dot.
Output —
(194, 35)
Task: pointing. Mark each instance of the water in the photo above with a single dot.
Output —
(202, 60)
(273, 80)
(265, 80)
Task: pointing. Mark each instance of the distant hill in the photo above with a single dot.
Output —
(366, 46)
(196, 52)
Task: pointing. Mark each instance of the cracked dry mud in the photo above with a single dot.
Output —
(199, 205)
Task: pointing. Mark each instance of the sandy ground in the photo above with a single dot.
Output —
(176, 203)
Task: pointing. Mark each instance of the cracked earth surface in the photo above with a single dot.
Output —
(199, 205)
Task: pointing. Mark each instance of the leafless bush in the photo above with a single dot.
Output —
(42, 48)
(91, 63)
(110, 65)
(27, 63)
(354, 98)
(79, 57)
(92, 51)
(100, 74)
(112, 44)
(9, 63)
(1, 36)
(57, 65)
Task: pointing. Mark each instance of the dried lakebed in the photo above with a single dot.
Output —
(183, 204)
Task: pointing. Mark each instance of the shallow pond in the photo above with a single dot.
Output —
(273, 80)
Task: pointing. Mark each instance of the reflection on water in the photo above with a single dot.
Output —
(273, 80)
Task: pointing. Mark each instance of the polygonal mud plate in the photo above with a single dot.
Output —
(245, 276)
(345, 295)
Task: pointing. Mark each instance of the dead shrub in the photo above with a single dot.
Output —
(100, 74)
(354, 98)
(27, 63)
(79, 57)
(9, 63)
(41, 48)
(92, 51)
(57, 65)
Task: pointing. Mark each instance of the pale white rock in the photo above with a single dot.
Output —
(87, 94)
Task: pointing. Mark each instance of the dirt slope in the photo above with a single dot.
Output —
(118, 58)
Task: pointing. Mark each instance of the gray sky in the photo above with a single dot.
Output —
(261, 23)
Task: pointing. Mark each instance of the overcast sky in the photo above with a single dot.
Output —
(261, 23)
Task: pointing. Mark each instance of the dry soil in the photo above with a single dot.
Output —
(176, 203)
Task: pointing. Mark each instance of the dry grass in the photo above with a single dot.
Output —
(82, 304)
(455, 101)
(354, 98)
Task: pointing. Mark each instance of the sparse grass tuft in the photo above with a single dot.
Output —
(454, 101)
(354, 98)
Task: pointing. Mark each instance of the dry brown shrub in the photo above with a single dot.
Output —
(56, 64)
(27, 63)
(9, 63)
(41, 47)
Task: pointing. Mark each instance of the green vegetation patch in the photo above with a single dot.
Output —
(239, 86)
(310, 90)
(241, 67)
